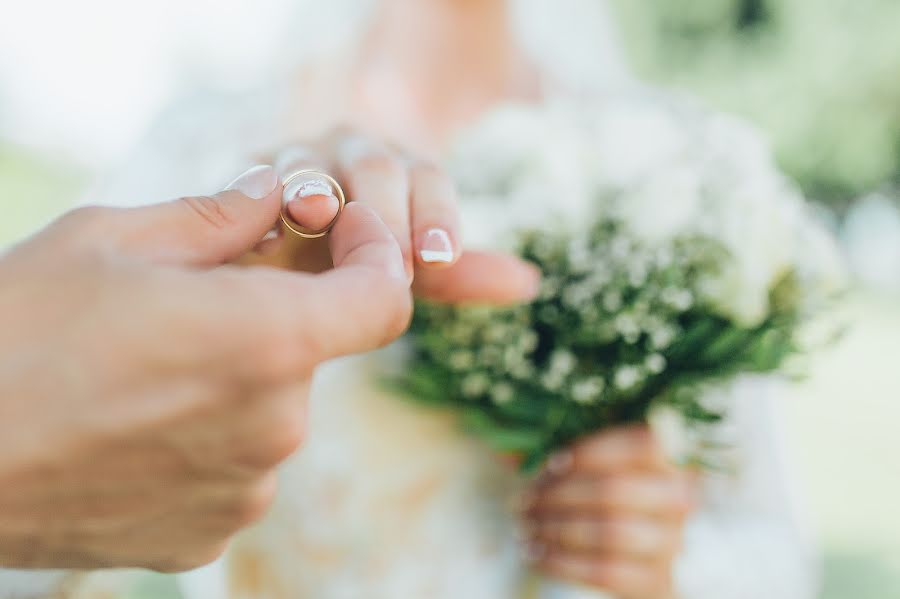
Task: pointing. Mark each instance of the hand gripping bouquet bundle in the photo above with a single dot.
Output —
(674, 259)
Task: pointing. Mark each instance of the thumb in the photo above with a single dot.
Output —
(205, 230)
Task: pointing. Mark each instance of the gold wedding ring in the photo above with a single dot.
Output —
(312, 175)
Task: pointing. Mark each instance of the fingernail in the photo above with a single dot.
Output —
(559, 463)
(256, 183)
(311, 201)
(436, 247)
(306, 186)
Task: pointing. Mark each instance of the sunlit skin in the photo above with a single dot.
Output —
(141, 427)
(313, 212)
(427, 68)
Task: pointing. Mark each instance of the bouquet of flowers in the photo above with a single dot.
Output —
(674, 257)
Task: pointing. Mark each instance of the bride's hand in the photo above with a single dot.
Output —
(416, 199)
(609, 512)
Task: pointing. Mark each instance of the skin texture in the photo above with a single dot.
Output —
(427, 69)
(413, 197)
(147, 392)
(610, 512)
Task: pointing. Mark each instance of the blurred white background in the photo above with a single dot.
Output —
(84, 78)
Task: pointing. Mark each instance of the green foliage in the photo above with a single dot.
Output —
(618, 328)
(819, 78)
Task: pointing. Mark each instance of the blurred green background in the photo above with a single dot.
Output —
(822, 80)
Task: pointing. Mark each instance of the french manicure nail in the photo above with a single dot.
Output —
(306, 186)
(256, 183)
(436, 247)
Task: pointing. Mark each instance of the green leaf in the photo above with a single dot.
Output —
(501, 436)
(727, 346)
(693, 340)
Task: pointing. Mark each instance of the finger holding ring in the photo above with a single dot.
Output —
(312, 199)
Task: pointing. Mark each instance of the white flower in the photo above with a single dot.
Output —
(680, 299)
(553, 381)
(528, 341)
(461, 360)
(627, 326)
(502, 393)
(662, 337)
(633, 139)
(655, 363)
(612, 301)
(665, 205)
(475, 385)
(588, 390)
(627, 377)
(667, 170)
(562, 362)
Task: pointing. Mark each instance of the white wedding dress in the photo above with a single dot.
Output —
(389, 500)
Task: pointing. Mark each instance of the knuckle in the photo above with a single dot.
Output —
(254, 505)
(289, 436)
(433, 177)
(428, 170)
(208, 209)
(395, 306)
(400, 315)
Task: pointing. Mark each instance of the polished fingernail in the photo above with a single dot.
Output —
(436, 247)
(308, 185)
(311, 201)
(559, 463)
(256, 183)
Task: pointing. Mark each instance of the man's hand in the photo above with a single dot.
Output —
(147, 392)
(416, 199)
